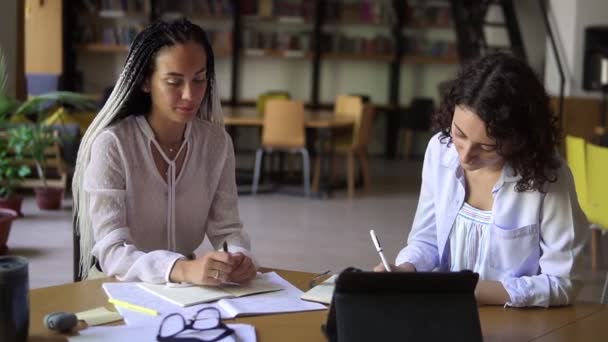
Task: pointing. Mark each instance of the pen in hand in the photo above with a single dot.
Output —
(379, 250)
(225, 247)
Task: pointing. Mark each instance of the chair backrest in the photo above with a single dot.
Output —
(597, 164)
(284, 124)
(263, 98)
(352, 106)
(418, 114)
(577, 161)
(364, 136)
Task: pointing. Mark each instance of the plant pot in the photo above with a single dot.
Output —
(6, 219)
(48, 198)
(13, 203)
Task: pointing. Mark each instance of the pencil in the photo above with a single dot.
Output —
(133, 307)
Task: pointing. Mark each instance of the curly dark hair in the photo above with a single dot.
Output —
(512, 102)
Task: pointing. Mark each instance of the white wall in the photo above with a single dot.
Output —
(533, 32)
(570, 18)
(261, 74)
(8, 40)
(589, 13)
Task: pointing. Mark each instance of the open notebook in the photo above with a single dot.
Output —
(321, 293)
(287, 300)
(192, 295)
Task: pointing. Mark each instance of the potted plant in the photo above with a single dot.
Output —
(11, 173)
(6, 219)
(31, 140)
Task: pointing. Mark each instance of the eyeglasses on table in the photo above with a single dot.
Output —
(205, 326)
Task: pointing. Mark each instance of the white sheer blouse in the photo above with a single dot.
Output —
(142, 221)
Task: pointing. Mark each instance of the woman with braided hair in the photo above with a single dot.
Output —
(155, 170)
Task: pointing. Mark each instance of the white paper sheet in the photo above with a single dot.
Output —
(148, 331)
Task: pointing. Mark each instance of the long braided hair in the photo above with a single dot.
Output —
(128, 98)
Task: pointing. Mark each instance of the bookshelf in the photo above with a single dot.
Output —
(315, 49)
(350, 31)
(101, 47)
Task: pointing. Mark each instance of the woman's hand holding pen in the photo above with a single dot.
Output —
(213, 269)
(405, 267)
(244, 269)
(210, 269)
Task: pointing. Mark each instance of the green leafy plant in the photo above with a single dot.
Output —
(32, 140)
(11, 171)
(29, 140)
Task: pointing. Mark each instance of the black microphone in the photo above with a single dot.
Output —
(60, 321)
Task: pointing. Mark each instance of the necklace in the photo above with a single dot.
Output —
(171, 148)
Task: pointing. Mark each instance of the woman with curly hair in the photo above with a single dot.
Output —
(496, 198)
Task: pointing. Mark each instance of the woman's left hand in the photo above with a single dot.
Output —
(244, 270)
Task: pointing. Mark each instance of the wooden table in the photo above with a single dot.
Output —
(322, 123)
(581, 322)
(249, 116)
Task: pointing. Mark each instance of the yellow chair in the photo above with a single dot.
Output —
(263, 98)
(577, 161)
(353, 144)
(576, 155)
(597, 164)
(283, 130)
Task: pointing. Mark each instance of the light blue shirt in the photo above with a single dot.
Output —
(536, 239)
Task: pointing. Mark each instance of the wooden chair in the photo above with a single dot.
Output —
(353, 144)
(597, 164)
(416, 117)
(283, 130)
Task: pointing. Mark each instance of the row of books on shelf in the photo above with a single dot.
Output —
(428, 16)
(117, 34)
(198, 8)
(431, 48)
(116, 6)
(253, 39)
(304, 9)
(221, 41)
(365, 11)
(339, 43)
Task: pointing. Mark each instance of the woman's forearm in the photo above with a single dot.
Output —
(489, 292)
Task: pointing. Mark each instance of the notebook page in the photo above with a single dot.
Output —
(131, 293)
(323, 292)
(287, 300)
(260, 284)
(186, 296)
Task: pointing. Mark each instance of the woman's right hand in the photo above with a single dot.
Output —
(211, 269)
(405, 267)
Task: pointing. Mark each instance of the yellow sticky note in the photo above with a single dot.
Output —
(98, 316)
